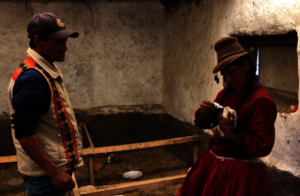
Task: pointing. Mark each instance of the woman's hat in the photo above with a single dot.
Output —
(228, 49)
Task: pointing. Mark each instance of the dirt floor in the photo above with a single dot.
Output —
(154, 163)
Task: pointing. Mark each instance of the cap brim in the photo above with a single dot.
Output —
(63, 34)
(221, 65)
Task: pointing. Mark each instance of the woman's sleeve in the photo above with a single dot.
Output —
(260, 137)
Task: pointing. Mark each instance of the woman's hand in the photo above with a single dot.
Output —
(207, 107)
(204, 114)
(226, 125)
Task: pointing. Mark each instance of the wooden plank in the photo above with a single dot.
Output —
(140, 145)
(135, 186)
(8, 159)
(75, 190)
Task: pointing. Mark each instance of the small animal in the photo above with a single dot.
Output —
(230, 117)
(113, 158)
(98, 167)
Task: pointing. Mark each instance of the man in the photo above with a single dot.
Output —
(44, 127)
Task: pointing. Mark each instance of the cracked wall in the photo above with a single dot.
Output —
(115, 61)
(189, 59)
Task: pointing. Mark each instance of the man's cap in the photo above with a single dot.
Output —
(48, 25)
(228, 49)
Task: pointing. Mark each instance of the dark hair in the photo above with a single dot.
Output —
(252, 69)
(32, 44)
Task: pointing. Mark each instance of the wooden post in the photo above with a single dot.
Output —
(91, 171)
(91, 163)
(195, 149)
(75, 190)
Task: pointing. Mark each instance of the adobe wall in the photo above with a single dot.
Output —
(189, 59)
(116, 60)
(279, 68)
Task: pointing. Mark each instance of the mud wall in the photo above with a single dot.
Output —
(131, 53)
(189, 59)
(115, 61)
(279, 68)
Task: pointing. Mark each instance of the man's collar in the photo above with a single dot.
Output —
(53, 71)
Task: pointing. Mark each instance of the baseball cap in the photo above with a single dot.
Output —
(49, 25)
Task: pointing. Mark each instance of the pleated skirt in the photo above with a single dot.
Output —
(210, 176)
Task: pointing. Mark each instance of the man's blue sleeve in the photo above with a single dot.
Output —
(31, 99)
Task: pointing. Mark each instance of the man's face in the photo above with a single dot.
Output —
(236, 76)
(53, 49)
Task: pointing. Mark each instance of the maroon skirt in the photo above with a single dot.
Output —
(211, 176)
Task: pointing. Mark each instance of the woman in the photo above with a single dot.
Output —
(230, 166)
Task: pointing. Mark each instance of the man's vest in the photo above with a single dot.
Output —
(57, 129)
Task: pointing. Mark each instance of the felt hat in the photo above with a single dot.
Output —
(228, 49)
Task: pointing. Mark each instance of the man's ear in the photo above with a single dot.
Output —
(246, 65)
(37, 41)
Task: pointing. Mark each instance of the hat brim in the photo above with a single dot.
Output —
(222, 64)
(63, 34)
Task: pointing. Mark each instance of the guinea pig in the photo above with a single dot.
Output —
(113, 158)
(229, 116)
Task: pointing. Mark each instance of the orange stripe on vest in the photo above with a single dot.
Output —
(30, 63)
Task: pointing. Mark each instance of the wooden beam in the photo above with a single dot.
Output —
(8, 159)
(140, 145)
(135, 186)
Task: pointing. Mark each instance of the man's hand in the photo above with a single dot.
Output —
(35, 151)
(62, 181)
